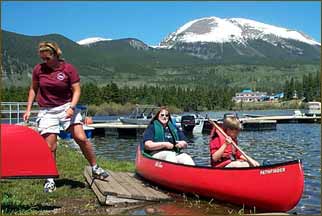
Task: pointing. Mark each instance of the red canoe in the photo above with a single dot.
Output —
(25, 154)
(277, 187)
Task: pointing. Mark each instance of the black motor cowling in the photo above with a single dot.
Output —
(188, 122)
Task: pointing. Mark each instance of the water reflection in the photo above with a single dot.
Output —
(191, 208)
(288, 142)
(192, 205)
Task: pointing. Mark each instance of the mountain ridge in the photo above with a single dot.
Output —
(131, 61)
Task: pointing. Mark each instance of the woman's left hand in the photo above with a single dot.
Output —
(181, 144)
(69, 113)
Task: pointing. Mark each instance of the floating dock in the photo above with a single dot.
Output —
(118, 128)
(251, 124)
(122, 188)
(118, 125)
(290, 119)
(248, 124)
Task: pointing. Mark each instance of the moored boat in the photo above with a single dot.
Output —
(141, 115)
(314, 109)
(135, 121)
(276, 187)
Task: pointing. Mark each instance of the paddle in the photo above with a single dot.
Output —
(233, 143)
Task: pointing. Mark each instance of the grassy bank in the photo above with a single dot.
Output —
(72, 194)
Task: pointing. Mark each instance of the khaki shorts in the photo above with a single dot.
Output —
(51, 120)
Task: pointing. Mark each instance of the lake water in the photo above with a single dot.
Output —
(287, 142)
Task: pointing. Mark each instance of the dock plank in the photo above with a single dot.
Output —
(109, 199)
(155, 192)
(101, 198)
(135, 194)
(122, 187)
(138, 187)
(110, 186)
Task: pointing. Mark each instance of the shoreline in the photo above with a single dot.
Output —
(119, 109)
(292, 104)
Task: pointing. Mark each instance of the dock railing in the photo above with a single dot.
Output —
(12, 112)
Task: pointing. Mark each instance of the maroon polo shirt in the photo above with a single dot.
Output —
(55, 85)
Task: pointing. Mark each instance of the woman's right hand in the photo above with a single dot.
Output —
(26, 116)
(168, 145)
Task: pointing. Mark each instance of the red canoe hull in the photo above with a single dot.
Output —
(276, 187)
(25, 154)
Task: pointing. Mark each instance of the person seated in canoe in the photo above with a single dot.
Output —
(163, 140)
(222, 152)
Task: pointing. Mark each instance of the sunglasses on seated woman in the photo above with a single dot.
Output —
(164, 115)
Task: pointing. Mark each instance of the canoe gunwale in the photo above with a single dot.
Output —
(297, 161)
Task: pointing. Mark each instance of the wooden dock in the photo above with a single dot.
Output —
(251, 124)
(290, 119)
(122, 188)
(117, 125)
(118, 128)
(248, 124)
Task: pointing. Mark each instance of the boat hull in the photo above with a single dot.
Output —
(25, 154)
(135, 121)
(276, 187)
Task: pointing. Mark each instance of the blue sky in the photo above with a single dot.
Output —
(149, 21)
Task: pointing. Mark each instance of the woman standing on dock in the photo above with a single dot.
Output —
(56, 84)
(164, 141)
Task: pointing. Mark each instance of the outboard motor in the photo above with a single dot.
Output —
(188, 122)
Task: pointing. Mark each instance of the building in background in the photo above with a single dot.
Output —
(247, 95)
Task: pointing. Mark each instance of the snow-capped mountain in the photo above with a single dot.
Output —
(213, 37)
(91, 40)
(217, 30)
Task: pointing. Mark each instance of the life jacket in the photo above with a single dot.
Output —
(224, 161)
(159, 132)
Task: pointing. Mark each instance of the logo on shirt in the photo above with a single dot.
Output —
(60, 76)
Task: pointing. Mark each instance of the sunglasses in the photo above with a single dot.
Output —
(164, 115)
